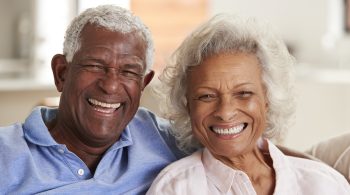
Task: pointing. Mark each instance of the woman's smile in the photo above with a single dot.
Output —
(231, 132)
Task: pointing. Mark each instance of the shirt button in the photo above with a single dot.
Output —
(81, 172)
(61, 150)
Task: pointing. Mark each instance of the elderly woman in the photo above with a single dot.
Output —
(230, 91)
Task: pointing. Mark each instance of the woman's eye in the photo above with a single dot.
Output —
(245, 94)
(207, 97)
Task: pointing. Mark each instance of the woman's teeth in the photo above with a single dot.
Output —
(104, 104)
(229, 131)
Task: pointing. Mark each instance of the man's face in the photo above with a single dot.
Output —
(101, 87)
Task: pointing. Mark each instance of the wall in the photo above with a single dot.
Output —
(303, 25)
(16, 105)
(10, 16)
(323, 107)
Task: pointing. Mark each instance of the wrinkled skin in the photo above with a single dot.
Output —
(101, 90)
(224, 92)
(227, 105)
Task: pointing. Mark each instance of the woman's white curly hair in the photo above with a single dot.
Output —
(229, 34)
(112, 18)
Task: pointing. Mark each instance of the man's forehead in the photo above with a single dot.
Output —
(108, 56)
(91, 28)
(99, 42)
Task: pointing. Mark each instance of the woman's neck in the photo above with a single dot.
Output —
(257, 166)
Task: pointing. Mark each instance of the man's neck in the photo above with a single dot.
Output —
(90, 155)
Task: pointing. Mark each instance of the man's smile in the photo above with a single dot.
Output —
(104, 107)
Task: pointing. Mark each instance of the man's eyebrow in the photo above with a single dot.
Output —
(93, 59)
(133, 65)
(137, 60)
(132, 59)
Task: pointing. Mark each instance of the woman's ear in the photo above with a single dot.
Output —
(59, 68)
(187, 104)
(266, 98)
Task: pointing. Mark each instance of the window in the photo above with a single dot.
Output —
(169, 21)
(347, 15)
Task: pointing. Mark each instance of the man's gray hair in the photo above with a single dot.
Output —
(113, 18)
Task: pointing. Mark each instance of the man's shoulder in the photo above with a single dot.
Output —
(145, 115)
(149, 129)
(10, 132)
(145, 119)
(17, 134)
(11, 140)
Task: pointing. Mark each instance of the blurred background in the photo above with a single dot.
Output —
(316, 32)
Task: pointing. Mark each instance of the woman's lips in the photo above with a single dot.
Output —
(229, 130)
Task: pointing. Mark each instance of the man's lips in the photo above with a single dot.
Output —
(229, 130)
(104, 107)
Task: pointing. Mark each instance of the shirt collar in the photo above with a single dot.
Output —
(279, 159)
(222, 176)
(34, 127)
(124, 140)
(217, 172)
(285, 176)
(35, 130)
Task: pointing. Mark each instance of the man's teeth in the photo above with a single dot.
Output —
(104, 104)
(229, 131)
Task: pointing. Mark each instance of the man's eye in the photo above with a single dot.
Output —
(207, 97)
(131, 74)
(94, 68)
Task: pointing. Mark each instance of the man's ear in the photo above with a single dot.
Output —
(147, 79)
(59, 68)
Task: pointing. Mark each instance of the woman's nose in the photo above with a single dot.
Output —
(226, 109)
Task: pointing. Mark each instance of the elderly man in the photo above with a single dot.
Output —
(98, 140)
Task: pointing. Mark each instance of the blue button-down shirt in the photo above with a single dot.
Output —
(32, 162)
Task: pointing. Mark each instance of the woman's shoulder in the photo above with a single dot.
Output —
(301, 165)
(191, 163)
(311, 166)
(307, 176)
(318, 173)
(185, 176)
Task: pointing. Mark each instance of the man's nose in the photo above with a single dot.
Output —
(110, 82)
(226, 109)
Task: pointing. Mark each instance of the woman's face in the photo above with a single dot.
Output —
(227, 103)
